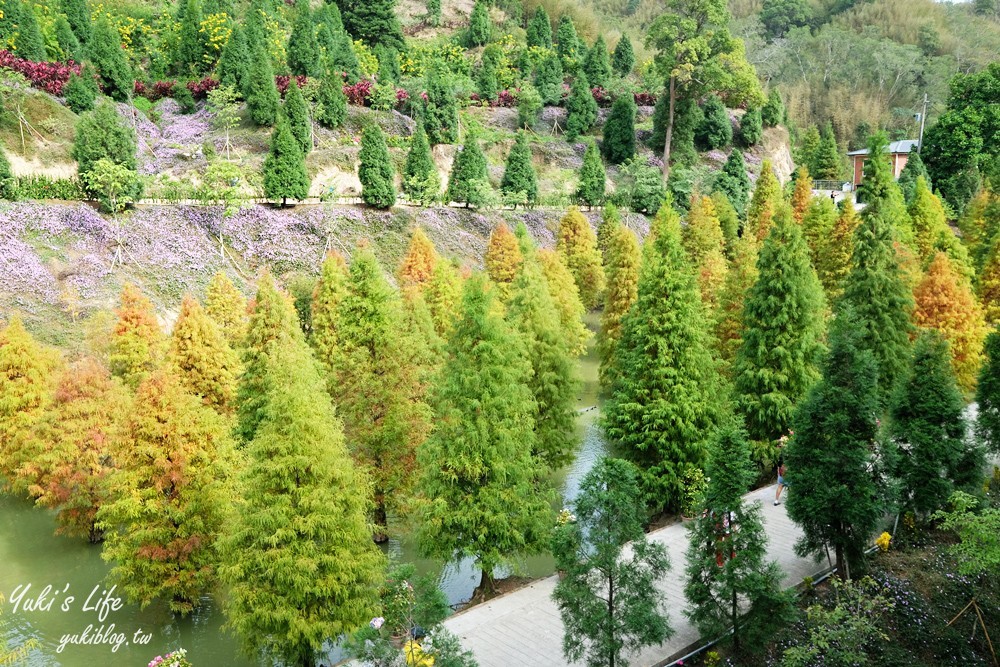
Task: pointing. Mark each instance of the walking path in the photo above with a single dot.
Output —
(524, 627)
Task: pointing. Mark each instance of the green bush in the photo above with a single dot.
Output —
(44, 187)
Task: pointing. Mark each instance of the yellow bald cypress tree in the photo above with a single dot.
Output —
(802, 195)
(740, 278)
(577, 245)
(763, 204)
(419, 261)
(834, 263)
(945, 302)
(989, 285)
(623, 260)
(503, 259)
(205, 364)
(227, 307)
(566, 296)
(704, 244)
(137, 343)
(444, 290)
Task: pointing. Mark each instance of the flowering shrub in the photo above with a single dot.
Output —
(506, 98)
(282, 81)
(360, 93)
(402, 97)
(176, 658)
(883, 541)
(644, 99)
(564, 517)
(48, 76)
(200, 88)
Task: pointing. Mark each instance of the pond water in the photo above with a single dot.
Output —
(30, 554)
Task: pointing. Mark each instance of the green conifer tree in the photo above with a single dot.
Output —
(554, 382)
(618, 144)
(103, 134)
(69, 45)
(988, 395)
(343, 57)
(444, 290)
(78, 14)
(834, 263)
(482, 488)
(590, 191)
(882, 301)
(160, 529)
(818, 223)
(880, 193)
(441, 109)
(421, 181)
(297, 113)
(778, 360)
(621, 264)
(260, 91)
(623, 57)
(714, 130)
(549, 79)
(751, 127)
(105, 52)
(467, 171)
(192, 44)
(928, 426)
(234, 64)
(375, 170)
(81, 91)
(479, 24)
(373, 23)
(519, 173)
(539, 29)
(285, 174)
(29, 43)
(733, 182)
(434, 12)
(333, 102)
(741, 276)
(137, 343)
(611, 219)
(663, 370)
(291, 590)
(773, 111)
(727, 553)
(303, 49)
(827, 161)
(201, 358)
(568, 44)
(597, 65)
(487, 84)
(590, 552)
(834, 460)
(577, 245)
(729, 220)
(913, 170)
(581, 108)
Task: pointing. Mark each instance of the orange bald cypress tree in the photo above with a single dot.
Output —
(418, 263)
(945, 302)
(137, 343)
(206, 366)
(503, 259)
(802, 195)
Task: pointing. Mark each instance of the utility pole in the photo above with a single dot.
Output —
(923, 118)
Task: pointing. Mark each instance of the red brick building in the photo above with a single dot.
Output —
(899, 153)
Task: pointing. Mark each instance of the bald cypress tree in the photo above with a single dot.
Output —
(566, 296)
(554, 382)
(703, 242)
(621, 265)
(137, 343)
(443, 293)
(161, 528)
(802, 194)
(227, 307)
(778, 359)
(503, 259)
(291, 590)
(880, 192)
(330, 291)
(481, 486)
(577, 244)
(741, 275)
(417, 265)
(204, 363)
(764, 204)
(663, 369)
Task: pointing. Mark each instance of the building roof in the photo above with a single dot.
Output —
(904, 146)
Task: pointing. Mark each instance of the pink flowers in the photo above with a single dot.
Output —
(47, 76)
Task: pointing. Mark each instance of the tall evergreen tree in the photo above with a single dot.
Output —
(173, 502)
(234, 64)
(833, 457)
(664, 376)
(192, 44)
(373, 22)
(519, 174)
(729, 581)
(566, 296)
(590, 550)
(482, 486)
(227, 307)
(590, 191)
(733, 181)
(988, 395)
(78, 14)
(751, 127)
(740, 277)
(577, 245)
(988, 287)
(783, 325)
(827, 161)
(441, 109)
(729, 221)
(259, 91)
(334, 103)
(29, 43)
(421, 181)
(773, 111)
(291, 590)
(297, 113)
(597, 65)
(375, 170)
(467, 172)
(913, 170)
(417, 266)
(375, 386)
(554, 382)
(833, 265)
(479, 24)
(503, 259)
(549, 79)
(703, 241)
(623, 57)
(487, 84)
(137, 343)
(26, 377)
(303, 49)
(818, 222)
(611, 219)
(568, 43)
(285, 174)
(104, 134)
(714, 130)
(343, 58)
(621, 265)
(581, 108)
(945, 302)
(618, 145)
(204, 363)
(928, 426)
(329, 292)
(880, 193)
(764, 204)
(539, 31)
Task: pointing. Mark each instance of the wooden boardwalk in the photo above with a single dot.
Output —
(523, 628)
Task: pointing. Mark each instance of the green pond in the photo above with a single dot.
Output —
(74, 623)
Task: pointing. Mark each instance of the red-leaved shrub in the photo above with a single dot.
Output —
(360, 93)
(644, 99)
(200, 89)
(47, 76)
(282, 81)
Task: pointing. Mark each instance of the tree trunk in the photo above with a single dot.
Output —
(381, 520)
(736, 624)
(842, 563)
(670, 127)
(611, 621)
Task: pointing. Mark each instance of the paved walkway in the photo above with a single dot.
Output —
(524, 627)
